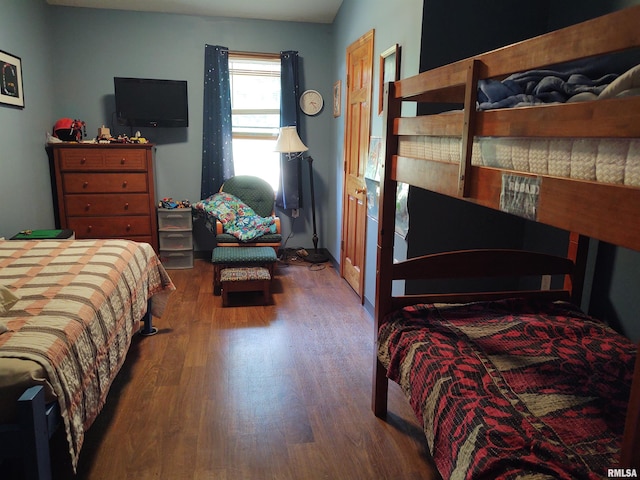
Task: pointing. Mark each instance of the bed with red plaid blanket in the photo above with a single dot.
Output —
(79, 303)
(513, 388)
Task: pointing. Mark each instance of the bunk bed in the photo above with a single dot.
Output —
(526, 398)
(69, 311)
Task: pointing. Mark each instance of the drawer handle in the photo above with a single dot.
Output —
(87, 207)
(124, 184)
(126, 206)
(89, 228)
(122, 161)
(85, 184)
(83, 161)
(128, 227)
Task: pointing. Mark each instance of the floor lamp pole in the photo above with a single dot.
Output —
(316, 256)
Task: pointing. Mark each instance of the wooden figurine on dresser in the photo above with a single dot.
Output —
(106, 190)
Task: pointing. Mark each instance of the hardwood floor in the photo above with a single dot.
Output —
(252, 392)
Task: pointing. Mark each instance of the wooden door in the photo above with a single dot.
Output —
(356, 148)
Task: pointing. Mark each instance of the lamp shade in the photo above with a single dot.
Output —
(289, 141)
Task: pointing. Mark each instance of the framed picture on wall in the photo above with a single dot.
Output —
(337, 91)
(11, 80)
(389, 71)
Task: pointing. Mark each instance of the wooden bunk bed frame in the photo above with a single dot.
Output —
(585, 208)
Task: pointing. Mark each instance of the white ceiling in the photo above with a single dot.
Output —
(315, 11)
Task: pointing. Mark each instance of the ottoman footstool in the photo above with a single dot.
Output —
(245, 279)
(240, 257)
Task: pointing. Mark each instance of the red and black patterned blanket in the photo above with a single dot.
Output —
(512, 389)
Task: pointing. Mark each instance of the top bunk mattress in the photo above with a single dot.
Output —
(592, 157)
(603, 160)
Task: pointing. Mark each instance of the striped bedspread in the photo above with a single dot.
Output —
(80, 303)
(512, 389)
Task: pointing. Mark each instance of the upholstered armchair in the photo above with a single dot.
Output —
(257, 194)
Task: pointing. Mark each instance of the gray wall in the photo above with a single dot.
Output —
(70, 56)
(119, 43)
(25, 193)
(394, 22)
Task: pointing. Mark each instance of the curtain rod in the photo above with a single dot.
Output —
(254, 54)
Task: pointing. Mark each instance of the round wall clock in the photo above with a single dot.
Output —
(311, 102)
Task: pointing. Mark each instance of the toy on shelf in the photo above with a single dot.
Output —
(104, 136)
(69, 130)
(168, 202)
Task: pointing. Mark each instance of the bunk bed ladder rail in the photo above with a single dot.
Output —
(468, 127)
(392, 107)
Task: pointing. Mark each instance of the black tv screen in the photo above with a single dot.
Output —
(145, 102)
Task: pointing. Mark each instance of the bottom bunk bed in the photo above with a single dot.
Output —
(517, 384)
(514, 388)
(70, 310)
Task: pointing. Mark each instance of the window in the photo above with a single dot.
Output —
(255, 111)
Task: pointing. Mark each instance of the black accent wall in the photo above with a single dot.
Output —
(457, 29)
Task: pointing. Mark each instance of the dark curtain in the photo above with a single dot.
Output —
(289, 194)
(217, 148)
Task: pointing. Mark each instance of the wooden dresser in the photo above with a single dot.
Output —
(106, 191)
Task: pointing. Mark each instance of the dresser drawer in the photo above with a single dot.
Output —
(88, 159)
(123, 159)
(109, 227)
(105, 182)
(81, 159)
(113, 204)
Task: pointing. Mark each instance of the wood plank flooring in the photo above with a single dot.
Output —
(252, 392)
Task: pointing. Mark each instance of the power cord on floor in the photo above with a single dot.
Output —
(284, 245)
(290, 256)
(295, 256)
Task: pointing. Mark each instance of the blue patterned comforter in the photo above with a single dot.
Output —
(237, 218)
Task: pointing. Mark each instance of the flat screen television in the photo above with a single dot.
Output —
(146, 102)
